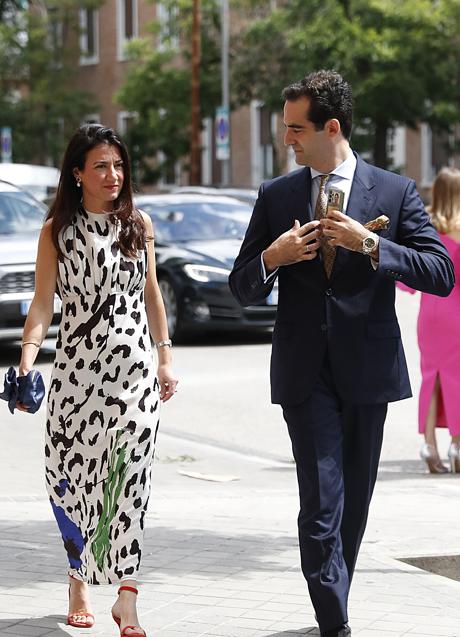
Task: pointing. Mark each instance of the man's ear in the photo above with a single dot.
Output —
(333, 127)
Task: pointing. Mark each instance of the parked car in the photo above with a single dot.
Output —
(197, 238)
(39, 181)
(249, 195)
(21, 218)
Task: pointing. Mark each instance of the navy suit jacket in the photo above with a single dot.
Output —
(352, 314)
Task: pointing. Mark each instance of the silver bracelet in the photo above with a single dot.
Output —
(166, 343)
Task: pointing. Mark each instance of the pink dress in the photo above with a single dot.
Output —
(438, 331)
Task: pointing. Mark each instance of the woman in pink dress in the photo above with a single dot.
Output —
(438, 331)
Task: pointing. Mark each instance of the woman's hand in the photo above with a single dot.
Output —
(168, 382)
(22, 371)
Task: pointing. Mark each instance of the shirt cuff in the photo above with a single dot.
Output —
(374, 263)
(267, 279)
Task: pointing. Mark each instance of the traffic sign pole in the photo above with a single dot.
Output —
(6, 143)
(225, 34)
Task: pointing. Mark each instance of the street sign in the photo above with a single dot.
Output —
(6, 144)
(222, 133)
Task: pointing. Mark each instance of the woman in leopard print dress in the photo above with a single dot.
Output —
(103, 402)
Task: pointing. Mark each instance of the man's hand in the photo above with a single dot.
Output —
(343, 231)
(300, 243)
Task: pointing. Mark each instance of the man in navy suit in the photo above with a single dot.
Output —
(337, 356)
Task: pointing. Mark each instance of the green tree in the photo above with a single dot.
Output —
(9, 8)
(158, 87)
(401, 57)
(38, 48)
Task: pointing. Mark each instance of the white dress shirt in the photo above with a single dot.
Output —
(341, 177)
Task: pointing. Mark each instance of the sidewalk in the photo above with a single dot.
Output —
(221, 558)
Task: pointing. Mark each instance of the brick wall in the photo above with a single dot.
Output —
(106, 77)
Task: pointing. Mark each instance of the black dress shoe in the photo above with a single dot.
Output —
(341, 631)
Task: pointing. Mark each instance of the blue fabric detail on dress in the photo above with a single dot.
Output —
(62, 488)
(73, 539)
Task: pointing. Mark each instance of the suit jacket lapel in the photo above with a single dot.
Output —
(362, 194)
(299, 204)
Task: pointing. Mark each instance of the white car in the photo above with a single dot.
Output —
(248, 195)
(40, 181)
(21, 218)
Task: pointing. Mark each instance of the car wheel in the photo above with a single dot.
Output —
(173, 310)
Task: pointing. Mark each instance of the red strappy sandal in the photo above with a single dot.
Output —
(88, 618)
(87, 622)
(117, 620)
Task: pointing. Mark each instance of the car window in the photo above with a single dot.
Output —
(198, 221)
(19, 213)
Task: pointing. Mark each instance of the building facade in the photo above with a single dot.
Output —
(256, 135)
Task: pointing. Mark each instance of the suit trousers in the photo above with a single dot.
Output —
(336, 447)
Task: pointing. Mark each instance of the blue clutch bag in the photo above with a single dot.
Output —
(28, 390)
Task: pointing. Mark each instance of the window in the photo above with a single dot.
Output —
(396, 148)
(167, 19)
(127, 25)
(55, 36)
(125, 119)
(89, 36)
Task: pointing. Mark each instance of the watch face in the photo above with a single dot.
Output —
(369, 243)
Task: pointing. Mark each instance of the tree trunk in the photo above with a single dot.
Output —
(380, 145)
(195, 150)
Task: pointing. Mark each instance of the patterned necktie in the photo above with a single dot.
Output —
(327, 250)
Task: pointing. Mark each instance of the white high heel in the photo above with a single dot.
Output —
(454, 457)
(429, 454)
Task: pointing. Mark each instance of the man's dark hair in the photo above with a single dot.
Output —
(330, 98)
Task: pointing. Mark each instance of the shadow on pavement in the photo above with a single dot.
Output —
(312, 630)
(231, 554)
(407, 469)
(34, 553)
(31, 625)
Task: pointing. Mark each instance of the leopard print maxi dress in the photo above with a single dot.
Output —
(103, 404)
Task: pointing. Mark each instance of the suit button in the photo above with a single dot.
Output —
(323, 327)
(328, 292)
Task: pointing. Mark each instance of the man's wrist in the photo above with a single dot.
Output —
(370, 245)
(269, 262)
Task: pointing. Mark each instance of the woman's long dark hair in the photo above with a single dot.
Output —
(132, 235)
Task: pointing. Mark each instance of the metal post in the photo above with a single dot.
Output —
(225, 35)
(195, 150)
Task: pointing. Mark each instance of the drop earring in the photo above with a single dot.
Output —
(78, 182)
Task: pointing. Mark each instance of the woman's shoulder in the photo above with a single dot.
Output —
(46, 243)
(47, 227)
(146, 219)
